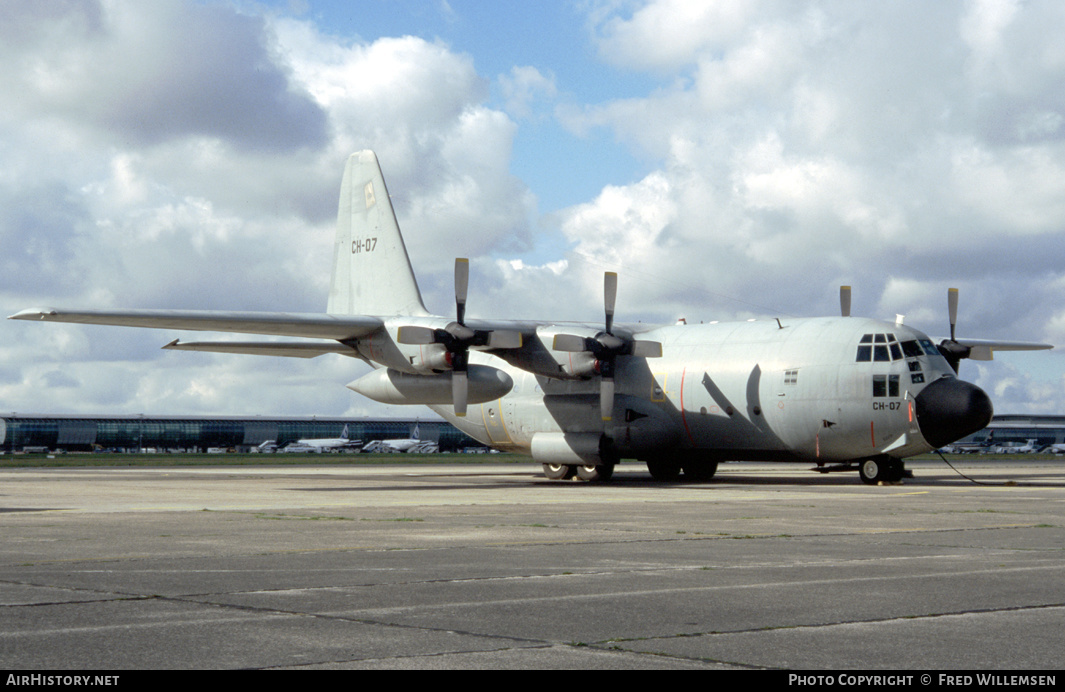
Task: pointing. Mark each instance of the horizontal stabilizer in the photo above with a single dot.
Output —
(315, 326)
(288, 349)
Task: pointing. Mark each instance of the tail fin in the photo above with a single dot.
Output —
(372, 274)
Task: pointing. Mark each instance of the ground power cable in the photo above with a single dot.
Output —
(972, 480)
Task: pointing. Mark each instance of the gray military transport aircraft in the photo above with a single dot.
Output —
(841, 392)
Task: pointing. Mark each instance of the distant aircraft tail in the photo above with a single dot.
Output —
(372, 274)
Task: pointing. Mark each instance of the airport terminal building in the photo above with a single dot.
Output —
(1020, 429)
(82, 433)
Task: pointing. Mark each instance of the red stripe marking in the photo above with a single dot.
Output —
(683, 413)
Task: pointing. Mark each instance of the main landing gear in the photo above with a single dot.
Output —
(667, 471)
(586, 472)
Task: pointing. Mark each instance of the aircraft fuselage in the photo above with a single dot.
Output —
(818, 389)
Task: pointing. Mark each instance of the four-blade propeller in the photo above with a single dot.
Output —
(606, 347)
(457, 339)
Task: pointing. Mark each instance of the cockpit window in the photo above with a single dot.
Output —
(929, 347)
(880, 348)
(912, 349)
(886, 348)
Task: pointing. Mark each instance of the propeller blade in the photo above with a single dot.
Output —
(606, 397)
(462, 287)
(459, 391)
(460, 363)
(952, 308)
(845, 301)
(610, 296)
(950, 348)
(569, 343)
(646, 349)
(504, 339)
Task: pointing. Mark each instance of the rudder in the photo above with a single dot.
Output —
(372, 274)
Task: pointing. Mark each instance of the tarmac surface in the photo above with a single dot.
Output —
(493, 566)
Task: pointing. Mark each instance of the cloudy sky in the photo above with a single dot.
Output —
(728, 159)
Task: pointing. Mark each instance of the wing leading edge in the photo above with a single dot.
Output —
(311, 326)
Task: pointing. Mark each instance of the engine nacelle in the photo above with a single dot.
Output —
(389, 386)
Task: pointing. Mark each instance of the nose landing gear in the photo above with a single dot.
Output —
(873, 471)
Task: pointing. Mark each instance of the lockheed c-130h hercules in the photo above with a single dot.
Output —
(842, 392)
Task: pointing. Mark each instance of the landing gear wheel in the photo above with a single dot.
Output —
(667, 471)
(595, 474)
(873, 471)
(700, 472)
(558, 472)
(869, 471)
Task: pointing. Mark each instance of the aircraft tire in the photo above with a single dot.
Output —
(873, 471)
(559, 472)
(700, 472)
(869, 471)
(665, 471)
(595, 474)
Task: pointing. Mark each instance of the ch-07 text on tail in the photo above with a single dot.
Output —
(363, 245)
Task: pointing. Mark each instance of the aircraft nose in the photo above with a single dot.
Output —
(949, 409)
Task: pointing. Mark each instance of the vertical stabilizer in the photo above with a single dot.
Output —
(372, 274)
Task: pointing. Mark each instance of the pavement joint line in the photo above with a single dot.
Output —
(841, 623)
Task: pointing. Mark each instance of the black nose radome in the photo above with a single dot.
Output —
(949, 409)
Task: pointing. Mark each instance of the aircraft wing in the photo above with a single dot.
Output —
(984, 349)
(306, 325)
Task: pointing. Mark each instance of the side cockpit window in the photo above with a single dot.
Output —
(912, 349)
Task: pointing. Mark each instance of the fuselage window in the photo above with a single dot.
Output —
(885, 385)
(791, 377)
